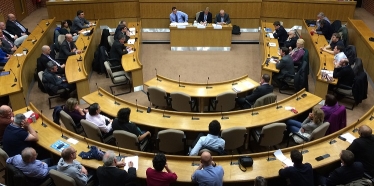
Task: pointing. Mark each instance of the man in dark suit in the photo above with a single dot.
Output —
(80, 22)
(260, 91)
(205, 17)
(45, 58)
(109, 174)
(14, 38)
(222, 18)
(344, 73)
(53, 82)
(122, 30)
(285, 67)
(15, 27)
(68, 48)
(280, 33)
(325, 29)
(7, 45)
(118, 48)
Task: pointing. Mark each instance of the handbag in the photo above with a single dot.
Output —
(245, 161)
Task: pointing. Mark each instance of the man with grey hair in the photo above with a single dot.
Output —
(53, 82)
(15, 27)
(205, 16)
(109, 174)
(68, 48)
(45, 58)
(321, 16)
(6, 118)
(18, 136)
(222, 18)
(13, 37)
(118, 48)
(290, 43)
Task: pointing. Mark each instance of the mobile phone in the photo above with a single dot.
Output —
(149, 109)
(342, 138)
(60, 146)
(326, 156)
(304, 95)
(319, 158)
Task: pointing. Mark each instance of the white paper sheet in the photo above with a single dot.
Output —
(349, 137)
(28, 113)
(131, 41)
(279, 155)
(178, 24)
(272, 44)
(134, 159)
(271, 35)
(72, 141)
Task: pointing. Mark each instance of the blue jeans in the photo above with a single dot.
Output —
(293, 125)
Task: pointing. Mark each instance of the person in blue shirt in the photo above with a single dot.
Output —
(208, 173)
(4, 57)
(178, 16)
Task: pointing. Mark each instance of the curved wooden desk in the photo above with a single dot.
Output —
(182, 164)
(183, 120)
(267, 51)
(16, 86)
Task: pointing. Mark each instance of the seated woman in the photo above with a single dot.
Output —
(306, 128)
(298, 52)
(75, 112)
(4, 57)
(331, 105)
(65, 29)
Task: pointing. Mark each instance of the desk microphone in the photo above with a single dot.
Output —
(297, 97)
(193, 118)
(265, 25)
(27, 108)
(302, 147)
(62, 134)
(317, 38)
(222, 117)
(157, 76)
(40, 28)
(88, 146)
(278, 106)
(98, 92)
(207, 83)
(133, 58)
(137, 109)
(114, 97)
(180, 82)
(79, 67)
(84, 44)
(354, 127)
(18, 65)
(15, 78)
(269, 49)
(47, 23)
(254, 113)
(165, 116)
(371, 117)
(324, 63)
(80, 58)
(232, 157)
(119, 157)
(32, 40)
(43, 124)
(25, 49)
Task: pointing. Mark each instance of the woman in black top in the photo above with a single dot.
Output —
(122, 122)
(65, 29)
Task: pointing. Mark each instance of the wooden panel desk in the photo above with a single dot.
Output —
(359, 35)
(131, 62)
(191, 36)
(267, 51)
(78, 66)
(199, 90)
(182, 164)
(16, 85)
(183, 120)
(318, 60)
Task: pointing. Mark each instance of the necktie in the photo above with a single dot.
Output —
(204, 18)
(11, 35)
(49, 57)
(222, 19)
(20, 26)
(69, 45)
(7, 40)
(176, 18)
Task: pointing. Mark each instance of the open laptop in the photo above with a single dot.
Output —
(88, 32)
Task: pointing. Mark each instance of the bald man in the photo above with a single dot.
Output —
(363, 149)
(6, 118)
(15, 27)
(208, 173)
(45, 58)
(68, 47)
(222, 18)
(13, 37)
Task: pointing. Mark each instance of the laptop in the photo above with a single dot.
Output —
(88, 32)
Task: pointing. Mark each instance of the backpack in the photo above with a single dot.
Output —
(236, 30)
(56, 113)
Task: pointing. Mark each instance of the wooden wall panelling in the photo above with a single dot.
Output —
(287, 23)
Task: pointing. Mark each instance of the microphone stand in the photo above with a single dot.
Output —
(180, 82)
(43, 124)
(302, 147)
(88, 146)
(114, 97)
(18, 65)
(371, 117)
(222, 115)
(232, 156)
(157, 76)
(270, 159)
(193, 118)
(165, 116)
(62, 134)
(207, 83)
(298, 97)
(269, 49)
(137, 110)
(278, 106)
(254, 113)
(356, 129)
(317, 38)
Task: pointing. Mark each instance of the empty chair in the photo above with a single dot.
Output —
(129, 140)
(69, 123)
(182, 102)
(269, 135)
(51, 95)
(3, 157)
(118, 78)
(317, 133)
(110, 40)
(265, 100)
(297, 81)
(171, 141)
(224, 101)
(234, 138)
(61, 179)
(158, 97)
(197, 15)
(93, 132)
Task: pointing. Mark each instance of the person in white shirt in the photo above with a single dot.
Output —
(103, 122)
(339, 54)
(15, 39)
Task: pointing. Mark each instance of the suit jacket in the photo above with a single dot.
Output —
(345, 174)
(117, 50)
(6, 47)
(79, 24)
(117, 33)
(65, 50)
(6, 33)
(42, 64)
(291, 43)
(113, 176)
(363, 149)
(345, 75)
(327, 30)
(281, 35)
(52, 83)
(201, 17)
(259, 92)
(226, 18)
(285, 66)
(14, 29)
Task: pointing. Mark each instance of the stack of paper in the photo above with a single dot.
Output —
(131, 41)
(270, 35)
(134, 159)
(215, 26)
(132, 31)
(279, 155)
(349, 137)
(178, 24)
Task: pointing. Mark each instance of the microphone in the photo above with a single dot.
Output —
(18, 65)
(137, 109)
(222, 115)
(25, 50)
(27, 108)
(298, 97)
(193, 118)
(79, 67)
(15, 78)
(232, 156)
(80, 58)
(207, 83)
(84, 44)
(133, 58)
(157, 76)
(324, 63)
(165, 116)
(354, 127)
(302, 147)
(114, 97)
(254, 113)
(269, 159)
(32, 40)
(371, 117)
(43, 124)
(47, 23)
(269, 49)
(265, 24)
(62, 134)
(317, 38)
(98, 92)
(119, 157)
(40, 28)
(88, 146)
(180, 82)
(278, 106)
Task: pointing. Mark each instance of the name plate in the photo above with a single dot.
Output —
(181, 27)
(201, 26)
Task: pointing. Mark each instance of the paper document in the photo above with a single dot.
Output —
(131, 41)
(322, 102)
(216, 26)
(181, 26)
(200, 26)
(134, 159)
(272, 44)
(288, 108)
(130, 51)
(132, 31)
(236, 89)
(28, 113)
(349, 137)
(248, 84)
(112, 30)
(72, 141)
(270, 35)
(178, 24)
(279, 155)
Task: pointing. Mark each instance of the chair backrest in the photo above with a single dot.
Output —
(171, 140)
(3, 157)
(61, 179)
(91, 130)
(337, 120)
(197, 15)
(226, 100)
(336, 25)
(320, 131)
(234, 137)
(14, 176)
(60, 39)
(126, 140)
(40, 75)
(110, 40)
(272, 134)
(180, 101)
(157, 96)
(265, 100)
(67, 121)
(108, 69)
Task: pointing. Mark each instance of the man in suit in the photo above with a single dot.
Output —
(118, 48)
(260, 91)
(15, 27)
(109, 174)
(280, 33)
(222, 18)
(344, 73)
(178, 16)
(298, 174)
(53, 82)
(205, 17)
(7, 45)
(45, 58)
(285, 67)
(325, 29)
(68, 48)
(14, 38)
(122, 30)
(80, 22)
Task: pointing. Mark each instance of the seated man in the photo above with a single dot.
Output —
(7, 45)
(208, 173)
(222, 18)
(30, 166)
(71, 167)
(285, 67)
(103, 122)
(109, 174)
(363, 149)
(6, 118)
(297, 53)
(120, 23)
(45, 58)
(79, 22)
(13, 37)
(4, 57)
(18, 135)
(177, 16)
(260, 91)
(52, 82)
(122, 30)
(15, 27)
(68, 47)
(325, 29)
(205, 17)
(348, 172)
(280, 33)
(155, 176)
(339, 53)
(321, 16)
(344, 73)
(299, 173)
(211, 141)
(335, 41)
(290, 42)
(118, 48)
